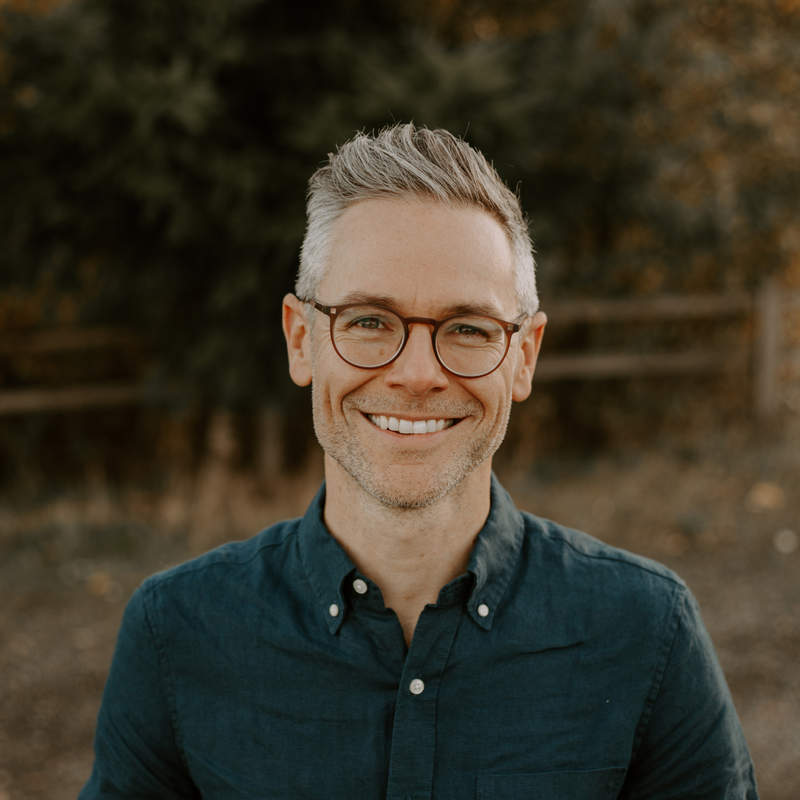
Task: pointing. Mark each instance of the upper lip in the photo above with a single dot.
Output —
(412, 412)
(409, 417)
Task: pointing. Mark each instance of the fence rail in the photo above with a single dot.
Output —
(70, 398)
(621, 365)
(55, 340)
(768, 351)
(695, 306)
(64, 341)
(767, 357)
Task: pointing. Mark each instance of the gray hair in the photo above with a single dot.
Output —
(404, 160)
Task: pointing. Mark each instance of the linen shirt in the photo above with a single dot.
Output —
(555, 667)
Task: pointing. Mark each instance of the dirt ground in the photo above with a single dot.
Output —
(723, 512)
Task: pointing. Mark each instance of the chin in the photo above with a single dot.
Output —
(406, 501)
(404, 492)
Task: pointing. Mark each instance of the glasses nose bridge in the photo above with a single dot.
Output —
(408, 322)
(420, 321)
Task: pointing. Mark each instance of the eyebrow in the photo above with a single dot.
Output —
(449, 311)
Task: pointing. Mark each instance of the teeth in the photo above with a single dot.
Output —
(408, 426)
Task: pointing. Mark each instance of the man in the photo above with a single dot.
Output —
(414, 635)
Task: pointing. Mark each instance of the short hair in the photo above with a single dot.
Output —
(404, 160)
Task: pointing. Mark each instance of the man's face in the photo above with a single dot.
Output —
(426, 259)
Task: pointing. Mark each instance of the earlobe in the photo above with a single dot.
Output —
(530, 344)
(298, 340)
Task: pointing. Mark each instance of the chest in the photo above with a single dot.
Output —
(462, 713)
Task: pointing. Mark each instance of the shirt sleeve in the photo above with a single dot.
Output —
(136, 749)
(690, 743)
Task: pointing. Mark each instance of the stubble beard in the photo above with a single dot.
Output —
(338, 442)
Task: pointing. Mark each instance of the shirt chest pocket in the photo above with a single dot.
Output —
(596, 784)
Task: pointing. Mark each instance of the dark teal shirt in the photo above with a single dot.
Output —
(555, 667)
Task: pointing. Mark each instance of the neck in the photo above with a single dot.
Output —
(410, 553)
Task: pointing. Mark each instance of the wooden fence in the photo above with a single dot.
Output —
(768, 357)
(51, 344)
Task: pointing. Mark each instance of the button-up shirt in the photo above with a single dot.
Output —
(554, 667)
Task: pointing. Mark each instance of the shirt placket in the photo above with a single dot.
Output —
(413, 746)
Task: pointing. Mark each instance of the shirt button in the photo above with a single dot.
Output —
(416, 686)
(483, 610)
(360, 586)
(333, 610)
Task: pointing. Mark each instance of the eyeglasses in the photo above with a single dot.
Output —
(371, 336)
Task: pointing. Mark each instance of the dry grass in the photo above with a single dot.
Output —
(723, 511)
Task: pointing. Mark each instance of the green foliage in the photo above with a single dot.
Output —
(154, 156)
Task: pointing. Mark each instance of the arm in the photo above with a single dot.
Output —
(690, 743)
(136, 749)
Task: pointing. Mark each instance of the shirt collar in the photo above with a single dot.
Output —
(326, 563)
(494, 556)
(492, 561)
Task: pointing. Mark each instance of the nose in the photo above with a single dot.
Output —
(416, 368)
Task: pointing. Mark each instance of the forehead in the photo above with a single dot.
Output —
(424, 256)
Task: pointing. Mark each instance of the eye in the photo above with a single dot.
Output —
(468, 331)
(368, 323)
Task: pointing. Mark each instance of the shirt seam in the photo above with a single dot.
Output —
(166, 677)
(190, 569)
(635, 564)
(658, 677)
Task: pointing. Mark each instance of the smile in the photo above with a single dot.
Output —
(409, 426)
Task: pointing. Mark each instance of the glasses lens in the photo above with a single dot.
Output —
(471, 345)
(367, 336)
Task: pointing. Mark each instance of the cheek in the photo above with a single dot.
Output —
(497, 397)
(325, 362)
(495, 402)
(331, 379)
(501, 410)
(321, 345)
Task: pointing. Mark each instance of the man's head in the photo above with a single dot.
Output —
(410, 162)
(409, 411)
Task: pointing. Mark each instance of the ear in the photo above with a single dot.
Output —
(529, 345)
(298, 339)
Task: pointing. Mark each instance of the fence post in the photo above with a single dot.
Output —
(767, 349)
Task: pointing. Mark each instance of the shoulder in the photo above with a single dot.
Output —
(239, 564)
(578, 550)
(594, 579)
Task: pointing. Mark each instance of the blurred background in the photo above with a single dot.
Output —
(153, 166)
